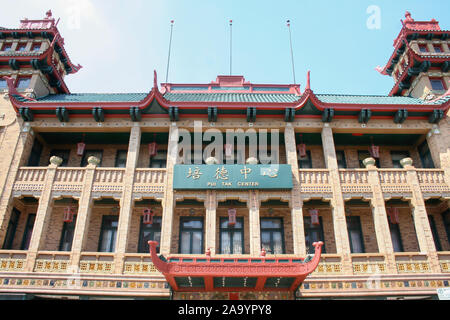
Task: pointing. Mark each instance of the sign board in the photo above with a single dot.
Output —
(232, 177)
(443, 293)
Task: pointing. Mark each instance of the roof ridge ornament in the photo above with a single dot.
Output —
(308, 81)
(12, 91)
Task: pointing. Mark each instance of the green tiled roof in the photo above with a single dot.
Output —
(231, 97)
(235, 97)
(369, 99)
(94, 97)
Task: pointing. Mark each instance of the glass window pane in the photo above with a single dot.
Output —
(265, 241)
(192, 224)
(270, 223)
(196, 242)
(3, 84)
(225, 243)
(356, 241)
(185, 242)
(277, 243)
(237, 242)
(23, 83)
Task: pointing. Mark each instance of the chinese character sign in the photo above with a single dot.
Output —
(235, 176)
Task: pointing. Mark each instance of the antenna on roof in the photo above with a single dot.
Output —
(231, 37)
(170, 45)
(292, 54)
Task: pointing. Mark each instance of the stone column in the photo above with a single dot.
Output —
(210, 233)
(296, 203)
(168, 202)
(337, 202)
(43, 214)
(420, 217)
(380, 219)
(127, 201)
(438, 140)
(84, 214)
(15, 146)
(254, 223)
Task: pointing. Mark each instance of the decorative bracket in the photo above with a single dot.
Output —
(212, 114)
(289, 114)
(173, 113)
(135, 114)
(364, 115)
(436, 116)
(327, 115)
(251, 114)
(99, 114)
(63, 114)
(27, 114)
(400, 116)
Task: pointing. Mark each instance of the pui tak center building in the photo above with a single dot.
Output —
(226, 174)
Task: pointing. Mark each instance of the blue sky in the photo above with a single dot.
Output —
(120, 43)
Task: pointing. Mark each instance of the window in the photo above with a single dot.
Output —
(437, 242)
(231, 237)
(63, 154)
(88, 153)
(362, 154)
(396, 237)
(423, 48)
(446, 219)
(7, 47)
(306, 161)
(23, 83)
(191, 235)
(340, 157)
(21, 47)
(272, 235)
(437, 84)
(149, 232)
(108, 234)
(313, 233)
(3, 84)
(65, 244)
(35, 47)
(28, 231)
(121, 158)
(159, 161)
(437, 48)
(355, 234)
(12, 227)
(397, 156)
(425, 155)
(35, 155)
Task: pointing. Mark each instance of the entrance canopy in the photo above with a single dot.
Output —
(206, 273)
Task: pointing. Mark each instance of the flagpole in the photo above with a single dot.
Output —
(292, 53)
(170, 45)
(231, 37)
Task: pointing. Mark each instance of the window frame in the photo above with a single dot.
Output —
(107, 219)
(64, 154)
(67, 227)
(358, 228)
(21, 45)
(425, 155)
(441, 81)
(117, 159)
(19, 79)
(395, 228)
(85, 157)
(446, 221)
(361, 164)
(142, 245)
(232, 231)
(309, 227)
(344, 160)
(272, 230)
(307, 159)
(12, 229)
(31, 219)
(162, 162)
(191, 231)
(423, 46)
(7, 44)
(437, 241)
(396, 163)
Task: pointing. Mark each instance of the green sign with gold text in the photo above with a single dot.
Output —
(232, 176)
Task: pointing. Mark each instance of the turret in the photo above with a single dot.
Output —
(420, 63)
(34, 56)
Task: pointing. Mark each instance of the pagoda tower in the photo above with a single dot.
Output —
(33, 55)
(420, 62)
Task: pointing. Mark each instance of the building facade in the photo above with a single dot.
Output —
(88, 179)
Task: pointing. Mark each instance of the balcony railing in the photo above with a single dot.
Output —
(368, 263)
(408, 262)
(330, 264)
(315, 180)
(12, 260)
(444, 261)
(97, 262)
(52, 261)
(139, 264)
(354, 180)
